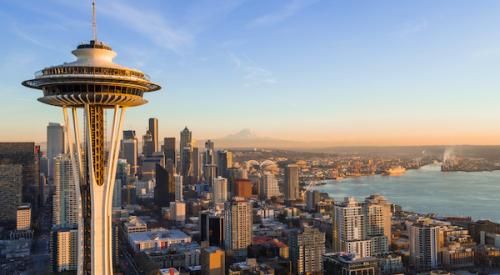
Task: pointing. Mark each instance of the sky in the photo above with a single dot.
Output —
(341, 72)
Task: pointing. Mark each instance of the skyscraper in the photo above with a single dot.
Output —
(185, 141)
(224, 162)
(269, 187)
(186, 163)
(18, 178)
(307, 247)
(209, 154)
(11, 179)
(65, 208)
(55, 144)
(212, 228)
(169, 149)
(219, 190)
(93, 82)
(178, 188)
(130, 150)
(312, 199)
(238, 227)
(349, 229)
(148, 147)
(164, 192)
(153, 129)
(196, 163)
(291, 182)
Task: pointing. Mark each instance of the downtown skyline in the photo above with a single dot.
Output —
(341, 73)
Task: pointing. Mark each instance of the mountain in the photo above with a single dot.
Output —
(246, 138)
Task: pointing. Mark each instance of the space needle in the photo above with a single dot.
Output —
(94, 83)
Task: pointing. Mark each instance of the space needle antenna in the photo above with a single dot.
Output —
(94, 30)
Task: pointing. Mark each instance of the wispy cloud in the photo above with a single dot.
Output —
(290, 9)
(150, 24)
(253, 74)
(412, 28)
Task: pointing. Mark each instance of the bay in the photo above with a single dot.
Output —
(428, 190)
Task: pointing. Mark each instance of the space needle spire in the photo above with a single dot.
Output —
(94, 84)
(94, 27)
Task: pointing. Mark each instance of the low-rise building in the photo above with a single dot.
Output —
(157, 239)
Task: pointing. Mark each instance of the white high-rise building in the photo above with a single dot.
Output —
(178, 188)
(55, 144)
(238, 221)
(349, 229)
(270, 186)
(220, 190)
(65, 204)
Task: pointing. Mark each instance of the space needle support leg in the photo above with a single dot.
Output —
(118, 117)
(76, 178)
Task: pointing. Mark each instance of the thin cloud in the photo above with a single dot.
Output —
(253, 74)
(149, 24)
(410, 29)
(290, 9)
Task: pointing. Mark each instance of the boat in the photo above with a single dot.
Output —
(394, 171)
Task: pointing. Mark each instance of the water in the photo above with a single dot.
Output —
(428, 190)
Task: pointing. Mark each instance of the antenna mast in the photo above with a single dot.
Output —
(94, 31)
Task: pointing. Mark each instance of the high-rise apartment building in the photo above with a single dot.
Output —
(425, 240)
(291, 182)
(269, 186)
(307, 247)
(130, 150)
(55, 144)
(238, 221)
(378, 223)
(349, 229)
(153, 129)
(64, 250)
(224, 162)
(23, 219)
(219, 190)
(212, 261)
(65, 208)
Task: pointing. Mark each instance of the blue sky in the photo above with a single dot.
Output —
(343, 72)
